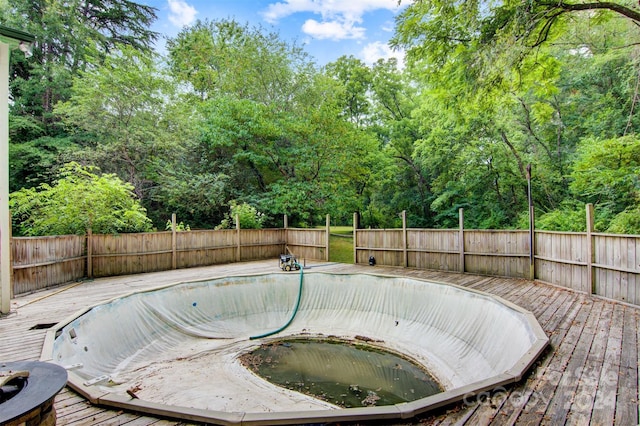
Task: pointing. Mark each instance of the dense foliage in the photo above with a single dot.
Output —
(237, 121)
(79, 200)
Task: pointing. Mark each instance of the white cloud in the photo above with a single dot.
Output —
(351, 9)
(378, 50)
(340, 18)
(181, 13)
(333, 30)
(389, 26)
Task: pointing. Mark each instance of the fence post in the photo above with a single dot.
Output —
(461, 238)
(286, 233)
(328, 237)
(356, 224)
(89, 253)
(532, 226)
(405, 258)
(590, 249)
(11, 255)
(174, 243)
(532, 244)
(238, 253)
(6, 285)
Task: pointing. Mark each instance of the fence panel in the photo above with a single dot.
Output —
(433, 249)
(617, 267)
(307, 243)
(561, 259)
(383, 244)
(498, 253)
(257, 244)
(42, 262)
(205, 247)
(123, 254)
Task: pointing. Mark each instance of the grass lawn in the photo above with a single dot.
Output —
(342, 230)
(341, 247)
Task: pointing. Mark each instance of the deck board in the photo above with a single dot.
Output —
(626, 413)
(589, 373)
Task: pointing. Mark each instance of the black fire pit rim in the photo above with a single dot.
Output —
(44, 382)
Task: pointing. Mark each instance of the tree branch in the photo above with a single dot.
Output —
(575, 7)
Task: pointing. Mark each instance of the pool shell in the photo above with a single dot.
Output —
(470, 341)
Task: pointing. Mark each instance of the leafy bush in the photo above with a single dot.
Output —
(181, 226)
(568, 218)
(627, 222)
(79, 200)
(249, 217)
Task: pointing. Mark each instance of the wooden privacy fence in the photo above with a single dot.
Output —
(602, 264)
(486, 252)
(41, 262)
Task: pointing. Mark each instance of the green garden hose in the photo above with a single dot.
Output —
(293, 315)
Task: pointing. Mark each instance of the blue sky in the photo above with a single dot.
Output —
(328, 29)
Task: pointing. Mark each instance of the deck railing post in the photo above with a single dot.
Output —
(590, 250)
(238, 252)
(89, 253)
(328, 234)
(532, 226)
(11, 255)
(356, 224)
(174, 242)
(461, 239)
(286, 233)
(405, 256)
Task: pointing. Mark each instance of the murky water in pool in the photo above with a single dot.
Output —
(341, 373)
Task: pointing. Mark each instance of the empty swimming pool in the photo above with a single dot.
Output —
(175, 350)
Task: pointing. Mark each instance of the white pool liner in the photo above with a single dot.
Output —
(178, 346)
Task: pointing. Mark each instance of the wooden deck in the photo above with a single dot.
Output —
(588, 375)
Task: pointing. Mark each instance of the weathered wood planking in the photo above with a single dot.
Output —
(207, 247)
(617, 259)
(433, 249)
(385, 245)
(307, 243)
(497, 253)
(258, 244)
(41, 262)
(561, 258)
(589, 375)
(123, 254)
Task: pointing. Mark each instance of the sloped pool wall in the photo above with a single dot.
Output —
(468, 340)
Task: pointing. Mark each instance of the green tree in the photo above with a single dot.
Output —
(126, 112)
(606, 172)
(394, 96)
(77, 201)
(222, 58)
(498, 35)
(487, 107)
(272, 134)
(70, 36)
(356, 80)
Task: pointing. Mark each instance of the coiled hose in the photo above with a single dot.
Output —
(293, 315)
